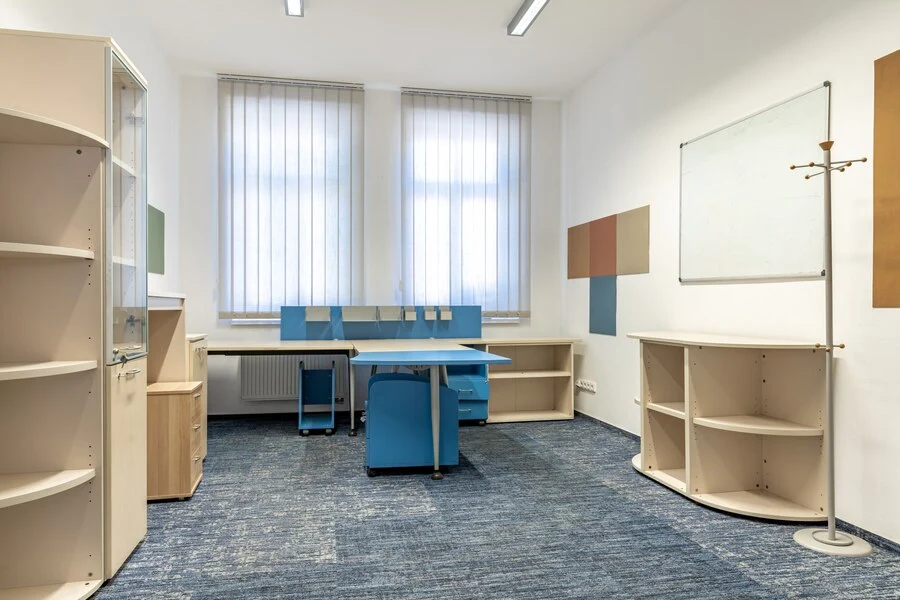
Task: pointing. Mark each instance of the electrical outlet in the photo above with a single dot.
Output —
(587, 385)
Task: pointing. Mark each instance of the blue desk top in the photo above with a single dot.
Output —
(467, 356)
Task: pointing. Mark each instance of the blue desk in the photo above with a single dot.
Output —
(436, 355)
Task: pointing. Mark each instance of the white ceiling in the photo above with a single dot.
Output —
(448, 44)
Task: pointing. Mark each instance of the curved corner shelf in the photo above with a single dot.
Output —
(71, 590)
(15, 250)
(673, 478)
(19, 488)
(28, 370)
(760, 504)
(121, 164)
(758, 425)
(526, 374)
(673, 409)
(17, 127)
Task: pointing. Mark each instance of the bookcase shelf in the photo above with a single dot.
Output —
(534, 374)
(29, 370)
(17, 127)
(15, 250)
(72, 590)
(16, 488)
(734, 423)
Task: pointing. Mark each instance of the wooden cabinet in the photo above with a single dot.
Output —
(538, 385)
(197, 371)
(735, 423)
(126, 450)
(174, 438)
(62, 218)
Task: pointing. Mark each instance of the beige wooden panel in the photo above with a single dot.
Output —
(62, 78)
(633, 241)
(503, 396)
(723, 381)
(51, 195)
(722, 461)
(533, 358)
(169, 446)
(563, 358)
(125, 459)
(506, 351)
(168, 353)
(793, 385)
(794, 469)
(534, 394)
(58, 538)
(564, 390)
(197, 371)
(664, 446)
(662, 372)
(579, 251)
(886, 184)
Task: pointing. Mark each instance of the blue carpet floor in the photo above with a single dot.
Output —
(537, 511)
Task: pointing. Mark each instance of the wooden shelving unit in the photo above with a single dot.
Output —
(56, 513)
(734, 422)
(536, 386)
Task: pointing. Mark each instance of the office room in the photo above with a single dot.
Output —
(414, 299)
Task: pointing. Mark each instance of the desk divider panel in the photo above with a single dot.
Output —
(464, 324)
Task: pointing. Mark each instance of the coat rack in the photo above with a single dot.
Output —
(830, 541)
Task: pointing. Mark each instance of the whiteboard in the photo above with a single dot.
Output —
(744, 214)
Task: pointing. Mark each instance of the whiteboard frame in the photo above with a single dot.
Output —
(746, 278)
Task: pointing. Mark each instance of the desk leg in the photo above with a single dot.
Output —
(436, 420)
(351, 369)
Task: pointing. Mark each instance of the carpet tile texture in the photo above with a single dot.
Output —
(533, 511)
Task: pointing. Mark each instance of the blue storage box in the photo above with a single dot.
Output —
(398, 423)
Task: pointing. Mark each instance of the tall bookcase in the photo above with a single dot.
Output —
(72, 314)
(735, 423)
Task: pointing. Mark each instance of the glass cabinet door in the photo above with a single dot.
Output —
(127, 217)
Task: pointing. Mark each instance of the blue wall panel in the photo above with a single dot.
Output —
(603, 305)
(466, 323)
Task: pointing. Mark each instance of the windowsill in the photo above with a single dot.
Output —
(277, 322)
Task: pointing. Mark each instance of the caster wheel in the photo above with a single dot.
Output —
(370, 472)
(482, 423)
(329, 431)
(437, 476)
(353, 433)
(305, 432)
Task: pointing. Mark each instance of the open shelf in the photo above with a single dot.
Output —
(759, 503)
(72, 590)
(758, 425)
(528, 415)
(18, 488)
(673, 478)
(15, 250)
(121, 164)
(316, 420)
(673, 409)
(527, 374)
(28, 370)
(17, 127)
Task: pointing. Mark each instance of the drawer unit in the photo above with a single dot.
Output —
(473, 391)
(197, 371)
(174, 439)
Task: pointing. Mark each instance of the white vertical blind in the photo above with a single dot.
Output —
(290, 196)
(466, 175)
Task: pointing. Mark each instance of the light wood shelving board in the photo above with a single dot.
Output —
(758, 424)
(15, 250)
(674, 409)
(17, 488)
(29, 370)
(524, 416)
(17, 127)
(72, 590)
(734, 422)
(535, 374)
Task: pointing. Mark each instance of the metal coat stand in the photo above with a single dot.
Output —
(830, 541)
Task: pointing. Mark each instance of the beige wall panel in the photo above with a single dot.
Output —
(633, 241)
(55, 68)
(579, 251)
(886, 184)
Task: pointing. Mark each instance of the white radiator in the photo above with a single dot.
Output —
(274, 377)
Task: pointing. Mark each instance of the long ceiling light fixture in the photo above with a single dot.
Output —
(525, 16)
(293, 8)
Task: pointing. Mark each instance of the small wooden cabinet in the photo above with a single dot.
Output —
(174, 460)
(197, 371)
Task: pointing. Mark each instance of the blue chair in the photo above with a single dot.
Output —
(398, 423)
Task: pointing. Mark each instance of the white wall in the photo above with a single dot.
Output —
(117, 20)
(707, 64)
(382, 269)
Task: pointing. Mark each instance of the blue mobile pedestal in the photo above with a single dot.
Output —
(316, 388)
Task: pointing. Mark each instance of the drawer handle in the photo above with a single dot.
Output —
(196, 458)
(196, 427)
(128, 373)
(465, 410)
(196, 396)
(466, 390)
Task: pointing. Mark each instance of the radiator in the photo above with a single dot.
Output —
(274, 377)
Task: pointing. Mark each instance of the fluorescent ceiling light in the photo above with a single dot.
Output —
(525, 16)
(293, 8)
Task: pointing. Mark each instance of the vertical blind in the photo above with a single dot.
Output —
(290, 195)
(466, 173)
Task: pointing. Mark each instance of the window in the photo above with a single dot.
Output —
(290, 195)
(466, 209)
